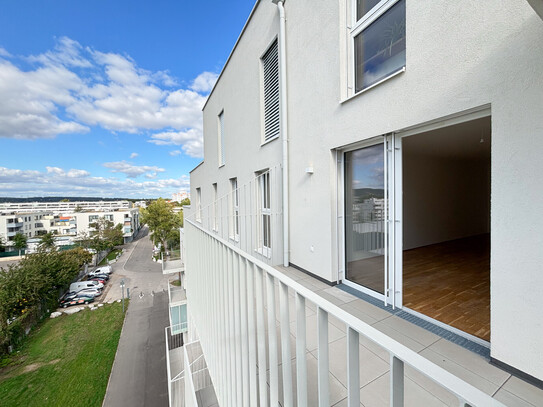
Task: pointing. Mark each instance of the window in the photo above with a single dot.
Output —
(110, 217)
(198, 204)
(215, 208)
(234, 209)
(93, 218)
(264, 201)
(378, 41)
(222, 158)
(270, 74)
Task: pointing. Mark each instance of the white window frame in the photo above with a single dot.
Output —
(264, 213)
(220, 139)
(356, 27)
(234, 210)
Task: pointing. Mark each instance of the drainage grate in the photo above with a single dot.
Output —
(429, 326)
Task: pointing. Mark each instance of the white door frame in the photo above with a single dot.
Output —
(394, 193)
(392, 279)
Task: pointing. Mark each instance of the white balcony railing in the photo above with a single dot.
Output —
(175, 365)
(249, 216)
(234, 298)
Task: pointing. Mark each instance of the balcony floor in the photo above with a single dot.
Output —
(374, 360)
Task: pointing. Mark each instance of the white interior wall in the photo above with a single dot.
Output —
(445, 197)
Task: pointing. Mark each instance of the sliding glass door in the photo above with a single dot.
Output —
(365, 219)
(370, 239)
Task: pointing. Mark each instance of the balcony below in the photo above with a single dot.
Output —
(173, 266)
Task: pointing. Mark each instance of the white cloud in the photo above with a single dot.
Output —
(55, 182)
(191, 140)
(133, 155)
(204, 82)
(71, 88)
(4, 53)
(133, 171)
(175, 152)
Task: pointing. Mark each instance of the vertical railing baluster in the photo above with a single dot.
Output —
(251, 327)
(396, 382)
(237, 326)
(285, 345)
(261, 324)
(323, 362)
(232, 326)
(301, 361)
(244, 330)
(272, 340)
(353, 368)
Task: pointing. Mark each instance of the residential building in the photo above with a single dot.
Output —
(30, 224)
(67, 223)
(62, 206)
(357, 210)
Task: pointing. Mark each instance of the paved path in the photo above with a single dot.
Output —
(139, 376)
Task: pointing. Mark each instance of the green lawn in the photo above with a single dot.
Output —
(111, 255)
(67, 361)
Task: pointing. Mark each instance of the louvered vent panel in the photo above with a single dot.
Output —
(270, 62)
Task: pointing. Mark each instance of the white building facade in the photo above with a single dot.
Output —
(387, 136)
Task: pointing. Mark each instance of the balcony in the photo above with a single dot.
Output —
(275, 335)
(174, 261)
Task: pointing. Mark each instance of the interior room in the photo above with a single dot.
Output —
(446, 225)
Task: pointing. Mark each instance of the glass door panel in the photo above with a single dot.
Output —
(365, 217)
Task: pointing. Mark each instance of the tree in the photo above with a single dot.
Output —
(105, 237)
(2, 244)
(162, 221)
(47, 242)
(19, 241)
(114, 234)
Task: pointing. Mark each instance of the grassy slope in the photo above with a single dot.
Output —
(111, 255)
(84, 345)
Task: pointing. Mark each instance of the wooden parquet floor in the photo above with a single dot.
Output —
(450, 282)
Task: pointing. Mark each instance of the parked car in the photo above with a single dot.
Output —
(94, 292)
(70, 299)
(102, 276)
(100, 270)
(79, 285)
(99, 279)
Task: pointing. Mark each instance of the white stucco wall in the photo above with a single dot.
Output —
(460, 55)
(238, 94)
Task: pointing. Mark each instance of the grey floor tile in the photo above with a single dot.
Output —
(377, 394)
(471, 361)
(371, 366)
(450, 365)
(524, 390)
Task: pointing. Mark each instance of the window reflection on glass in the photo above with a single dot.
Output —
(380, 48)
(365, 217)
(363, 6)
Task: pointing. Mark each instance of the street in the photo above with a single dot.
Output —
(139, 377)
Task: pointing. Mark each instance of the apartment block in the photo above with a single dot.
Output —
(356, 235)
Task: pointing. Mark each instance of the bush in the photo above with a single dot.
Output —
(29, 290)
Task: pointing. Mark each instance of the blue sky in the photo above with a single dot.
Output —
(103, 98)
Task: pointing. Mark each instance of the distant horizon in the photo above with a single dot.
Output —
(7, 199)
